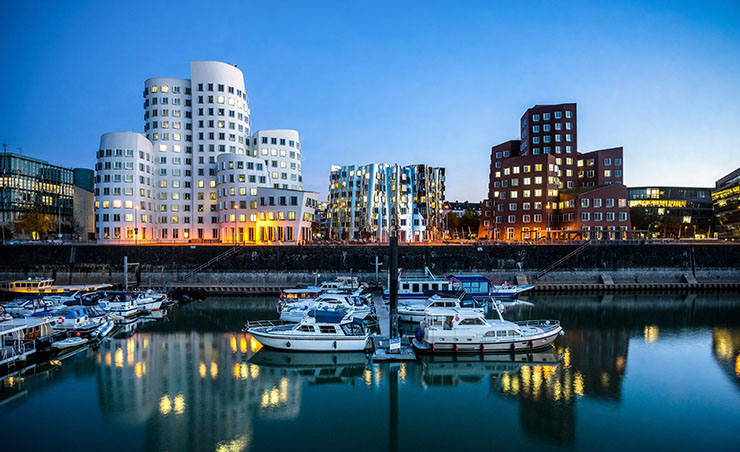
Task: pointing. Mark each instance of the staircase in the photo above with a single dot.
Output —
(230, 252)
(568, 256)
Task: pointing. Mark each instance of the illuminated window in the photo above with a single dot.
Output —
(116, 204)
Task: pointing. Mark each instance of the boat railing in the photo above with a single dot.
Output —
(545, 323)
(266, 323)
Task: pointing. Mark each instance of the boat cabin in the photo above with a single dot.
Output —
(475, 285)
(30, 285)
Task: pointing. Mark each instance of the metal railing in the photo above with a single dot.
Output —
(563, 259)
(220, 257)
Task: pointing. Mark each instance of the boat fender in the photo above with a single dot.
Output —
(418, 334)
(335, 345)
(513, 348)
(531, 344)
(287, 344)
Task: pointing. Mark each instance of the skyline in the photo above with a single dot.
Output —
(355, 80)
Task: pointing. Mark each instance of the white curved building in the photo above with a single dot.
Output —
(126, 187)
(204, 165)
(281, 151)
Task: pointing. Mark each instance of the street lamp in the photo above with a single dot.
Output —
(235, 223)
(547, 211)
(136, 226)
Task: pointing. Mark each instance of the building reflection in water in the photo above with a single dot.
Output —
(726, 350)
(192, 390)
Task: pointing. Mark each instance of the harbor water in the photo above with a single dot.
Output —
(637, 372)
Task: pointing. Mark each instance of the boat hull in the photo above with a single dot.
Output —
(318, 344)
(520, 345)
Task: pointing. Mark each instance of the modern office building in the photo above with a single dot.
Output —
(366, 202)
(726, 203)
(198, 173)
(672, 212)
(541, 186)
(30, 185)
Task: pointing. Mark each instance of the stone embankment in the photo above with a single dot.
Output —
(600, 267)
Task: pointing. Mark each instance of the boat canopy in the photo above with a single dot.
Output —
(322, 316)
(469, 278)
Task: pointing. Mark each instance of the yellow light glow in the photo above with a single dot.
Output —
(578, 384)
(214, 370)
(274, 397)
(165, 405)
(179, 403)
(254, 345)
(119, 357)
(254, 371)
(651, 333)
(283, 390)
(138, 370)
(368, 377)
(107, 359)
(604, 379)
(233, 344)
(265, 399)
(243, 345)
(619, 364)
(402, 373)
(202, 370)
(238, 444)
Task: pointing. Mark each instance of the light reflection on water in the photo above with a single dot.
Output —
(193, 382)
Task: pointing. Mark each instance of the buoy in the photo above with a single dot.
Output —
(287, 344)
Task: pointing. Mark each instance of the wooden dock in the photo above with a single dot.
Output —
(381, 343)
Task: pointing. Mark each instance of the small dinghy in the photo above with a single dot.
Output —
(70, 342)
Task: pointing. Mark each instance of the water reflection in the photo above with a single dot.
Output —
(726, 350)
(212, 388)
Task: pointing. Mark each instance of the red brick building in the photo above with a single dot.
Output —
(542, 186)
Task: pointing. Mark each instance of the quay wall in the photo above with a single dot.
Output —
(287, 265)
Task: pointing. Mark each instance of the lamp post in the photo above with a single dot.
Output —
(136, 225)
(235, 223)
(547, 211)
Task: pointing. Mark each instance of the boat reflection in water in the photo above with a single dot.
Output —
(450, 370)
(314, 368)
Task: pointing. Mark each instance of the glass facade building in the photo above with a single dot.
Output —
(672, 212)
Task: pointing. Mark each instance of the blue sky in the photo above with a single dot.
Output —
(406, 82)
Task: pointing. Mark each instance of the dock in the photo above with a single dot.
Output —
(381, 343)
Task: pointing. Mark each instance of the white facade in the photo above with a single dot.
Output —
(366, 202)
(200, 165)
(126, 188)
(281, 151)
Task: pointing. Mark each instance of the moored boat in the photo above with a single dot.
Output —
(320, 331)
(75, 319)
(122, 303)
(69, 342)
(415, 311)
(358, 304)
(466, 331)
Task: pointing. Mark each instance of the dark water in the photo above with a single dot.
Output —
(658, 372)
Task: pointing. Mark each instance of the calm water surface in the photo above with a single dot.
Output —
(631, 373)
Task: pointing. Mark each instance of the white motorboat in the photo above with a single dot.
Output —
(150, 300)
(320, 331)
(29, 305)
(122, 303)
(415, 311)
(465, 331)
(70, 342)
(355, 303)
(75, 319)
(342, 284)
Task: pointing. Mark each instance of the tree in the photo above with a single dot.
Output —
(33, 222)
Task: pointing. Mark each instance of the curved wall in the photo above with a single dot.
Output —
(125, 186)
